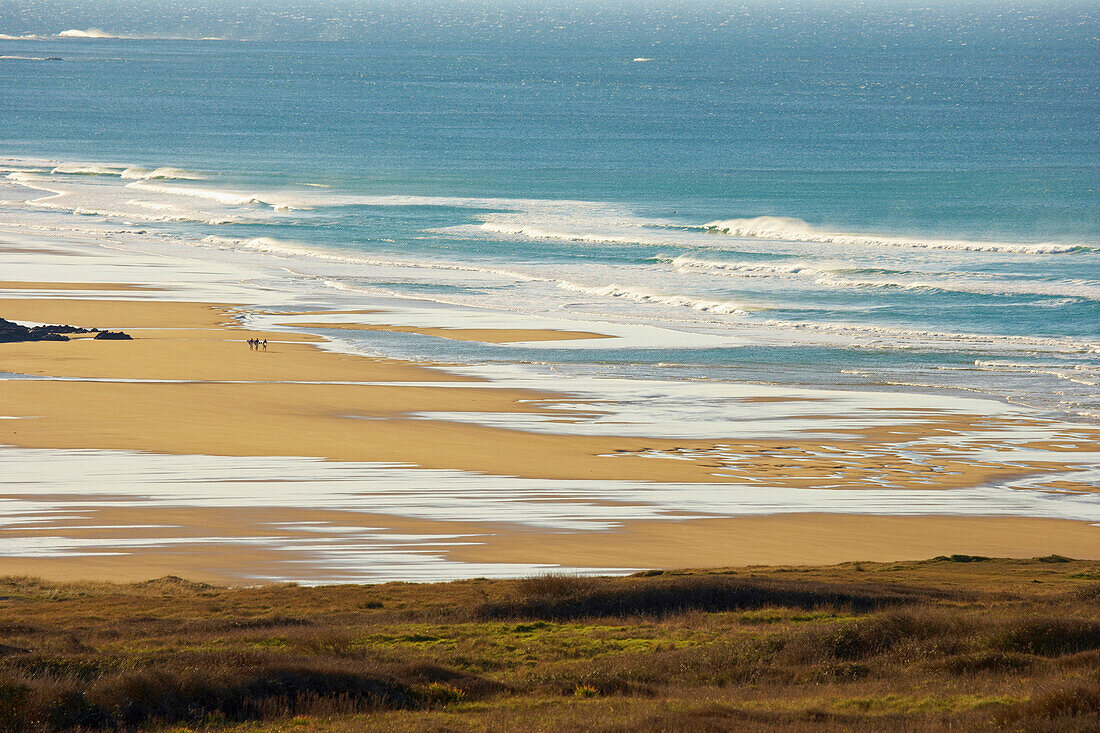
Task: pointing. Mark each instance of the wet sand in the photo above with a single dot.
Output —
(274, 543)
(483, 335)
(799, 539)
(201, 390)
(19, 285)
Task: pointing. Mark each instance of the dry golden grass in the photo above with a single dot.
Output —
(951, 643)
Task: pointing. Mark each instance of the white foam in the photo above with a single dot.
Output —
(87, 33)
(88, 169)
(233, 198)
(822, 275)
(164, 172)
(58, 485)
(534, 232)
(912, 337)
(615, 290)
(124, 171)
(790, 229)
(1083, 374)
(95, 196)
(746, 269)
(275, 246)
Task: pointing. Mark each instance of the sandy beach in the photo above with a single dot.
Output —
(601, 366)
(189, 385)
(267, 542)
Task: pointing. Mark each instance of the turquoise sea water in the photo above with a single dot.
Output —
(880, 198)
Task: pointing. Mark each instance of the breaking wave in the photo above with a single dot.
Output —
(281, 247)
(124, 171)
(1084, 374)
(230, 198)
(537, 233)
(789, 229)
(686, 263)
(164, 172)
(87, 33)
(842, 278)
(88, 169)
(867, 335)
(615, 290)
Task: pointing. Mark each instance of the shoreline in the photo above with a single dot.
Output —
(189, 386)
(250, 545)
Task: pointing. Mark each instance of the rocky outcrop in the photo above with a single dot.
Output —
(113, 336)
(10, 332)
(13, 332)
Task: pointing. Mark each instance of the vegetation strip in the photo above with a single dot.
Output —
(955, 642)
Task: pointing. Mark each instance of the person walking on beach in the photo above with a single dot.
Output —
(265, 344)
(250, 344)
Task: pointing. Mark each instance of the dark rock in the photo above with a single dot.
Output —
(59, 329)
(113, 336)
(13, 332)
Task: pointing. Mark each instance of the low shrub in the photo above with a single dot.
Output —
(960, 664)
(440, 693)
(1078, 704)
(563, 598)
(868, 636)
(1048, 637)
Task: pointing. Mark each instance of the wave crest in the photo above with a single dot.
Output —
(124, 171)
(231, 198)
(88, 169)
(615, 290)
(537, 233)
(842, 277)
(686, 263)
(789, 229)
(87, 33)
(164, 172)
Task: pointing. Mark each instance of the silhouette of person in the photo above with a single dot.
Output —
(250, 344)
(265, 344)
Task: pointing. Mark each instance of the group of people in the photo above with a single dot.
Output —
(257, 345)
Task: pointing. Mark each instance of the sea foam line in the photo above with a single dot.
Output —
(615, 290)
(280, 247)
(231, 198)
(125, 171)
(789, 229)
(537, 233)
(957, 339)
(1079, 288)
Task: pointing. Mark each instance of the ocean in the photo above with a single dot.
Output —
(873, 199)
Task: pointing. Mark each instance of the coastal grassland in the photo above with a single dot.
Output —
(951, 643)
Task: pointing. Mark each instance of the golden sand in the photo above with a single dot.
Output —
(240, 402)
(795, 539)
(222, 398)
